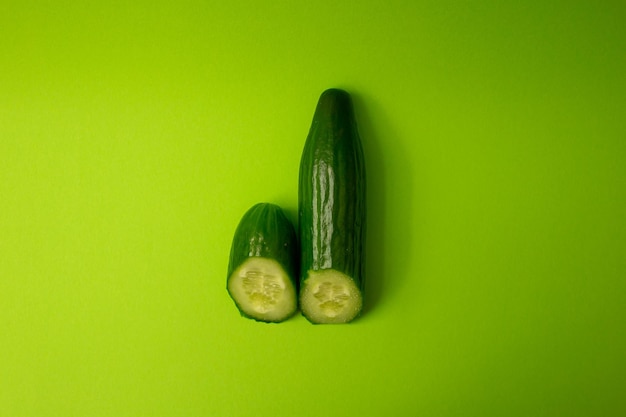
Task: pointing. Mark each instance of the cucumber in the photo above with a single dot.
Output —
(331, 212)
(263, 265)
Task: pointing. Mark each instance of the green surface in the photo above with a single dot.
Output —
(134, 135)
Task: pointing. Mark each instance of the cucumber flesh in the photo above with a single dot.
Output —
(329, 296)
(262, 289)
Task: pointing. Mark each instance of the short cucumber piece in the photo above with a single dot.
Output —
(263, 265)
(331, 210)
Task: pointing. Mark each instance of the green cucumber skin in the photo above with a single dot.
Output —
(331, 193)
(265, 231)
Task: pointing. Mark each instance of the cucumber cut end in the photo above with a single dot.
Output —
(262, 290)
(329, 296)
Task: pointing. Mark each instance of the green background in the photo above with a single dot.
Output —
(134, 135)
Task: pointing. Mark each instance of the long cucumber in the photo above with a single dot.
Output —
(332, 213)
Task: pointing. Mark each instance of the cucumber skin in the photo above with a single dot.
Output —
(331, 193)
(265, 231)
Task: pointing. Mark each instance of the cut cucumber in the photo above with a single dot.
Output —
(331, 209)
(263, 265)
